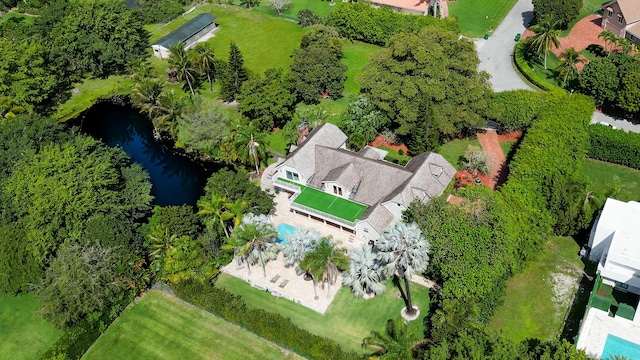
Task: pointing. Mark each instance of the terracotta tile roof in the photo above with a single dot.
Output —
(416, 5)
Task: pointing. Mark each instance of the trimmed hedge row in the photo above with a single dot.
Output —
(516, 109)
(519, 57)
(273, 327)
(614, 146)
(360, 21)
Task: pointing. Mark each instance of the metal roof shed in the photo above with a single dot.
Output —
(187, 33)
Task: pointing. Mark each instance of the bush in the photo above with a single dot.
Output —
(614, 146)
(273, 327)
(515, 110)
(360, 21)
(563, 11)
(160, 11)
(307, 17)
(597, 50)
(520, 59)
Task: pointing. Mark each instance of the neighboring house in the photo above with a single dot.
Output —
(414, 7)
(188, 33)
(358, 192)
(612, 324)
(622, 17)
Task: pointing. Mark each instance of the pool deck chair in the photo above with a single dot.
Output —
(284, 283)
(275, 278)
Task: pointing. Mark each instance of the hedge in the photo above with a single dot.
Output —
(516, 109)
(273, 327)
(614, 146)
(360, 21)
(520, 59)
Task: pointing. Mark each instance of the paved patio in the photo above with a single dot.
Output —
(295, 287)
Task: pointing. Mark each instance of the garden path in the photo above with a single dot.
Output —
(496, 161)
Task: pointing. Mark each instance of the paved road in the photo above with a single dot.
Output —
(495, 53)
(620, 123)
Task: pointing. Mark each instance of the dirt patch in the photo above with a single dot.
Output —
(510, 136)
(383, 141)
(565, 283)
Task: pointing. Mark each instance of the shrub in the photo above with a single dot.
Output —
(307, 17)
(563, 11)
(515, 110)
(273, 327)
(520, 59)
(597, 50)
(615, 146)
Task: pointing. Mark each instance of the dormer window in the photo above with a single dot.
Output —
(337, 190)
(292, 176)
(620, 18)
(609, 12)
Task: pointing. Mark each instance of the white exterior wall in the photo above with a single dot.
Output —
(366, 232)
(282, 173)
(160, 51)
(599, 242)
(396, 209)
(328, 188)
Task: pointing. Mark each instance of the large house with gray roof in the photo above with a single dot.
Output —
(188, 34)
(356, 191)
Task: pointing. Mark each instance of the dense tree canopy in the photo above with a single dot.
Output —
(563, 11)
(269, 100)
(435, 66)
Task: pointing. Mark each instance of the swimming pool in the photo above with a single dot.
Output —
(284, 230)
(619, 346)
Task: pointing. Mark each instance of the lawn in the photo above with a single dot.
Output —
(509, 149)
(477, 17)
(23, 333)
(160, 326)
(91, 90)
(356, 55)
(588, 7)
(604, 175)
(265, 41)
(538, 299)
(328, 203)
(319, 7)
(454, 149)
(347, 321)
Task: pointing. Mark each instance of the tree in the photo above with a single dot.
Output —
(324, 263)
(365, 276)
(214, 207)
(234, 74)
(306, 18)
(145, 94)
(166, 113)
(205, 61)
(396, 343)
(568, 69)
(183, 66)
(628, 96)
(434, 68)
(249, 146)
(279, 6)
(404, 251)
(235, 185)
(254, 241)
(609, 38)
(546, 35)
(316, 71)
(564, 11)
(323, 36)
(269, 100)
(159, 242)
(455, 316)
(599, 79)
(474, 160)
(363, 121)
(298, 244)
(79, 281)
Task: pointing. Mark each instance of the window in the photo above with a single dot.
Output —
(337, 190)
(620, 19)
(609, 13)
(292, 176)
(365, 230)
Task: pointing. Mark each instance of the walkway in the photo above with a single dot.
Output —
(496, 161)
(496, 53)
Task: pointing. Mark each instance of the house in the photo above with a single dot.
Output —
(622, 17)
(356, 191)
(413, 7)
(612, 321)
(188, 34)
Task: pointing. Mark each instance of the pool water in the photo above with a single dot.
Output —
(619, 346)
(284, 230)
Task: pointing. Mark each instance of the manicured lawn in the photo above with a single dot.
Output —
(546, 77)
(356, 56)
(347, 321)
(328, 203)
(23, 333)
(476, 17)
(92, 90)
(539, 298)
(319, 7)
(454, 149)
(8, 16)
(604, 175)
(265, 41)
(160, 326)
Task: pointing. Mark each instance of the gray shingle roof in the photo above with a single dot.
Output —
(187, 30)
(380, 218)
(345, 175)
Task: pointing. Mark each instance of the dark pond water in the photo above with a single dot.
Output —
(176, 179)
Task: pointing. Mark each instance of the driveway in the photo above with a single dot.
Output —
(495, 53)
(620, 123)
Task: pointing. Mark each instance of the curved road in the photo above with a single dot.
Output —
(495, 58)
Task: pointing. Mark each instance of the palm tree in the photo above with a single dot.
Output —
(183, 66)
(298, 244)
(396, 343)
(247, 143)
(405, 251)
(254, 241)
(324, 263)
(365, 276)
(215, 208)
(609, 38)
(166, 112)
(205, 61)
(546, 35)
(237, 209)
(568, 69)
(159, 242)
(145, 94)
(456, 315)
(7, 109)
(475, 160)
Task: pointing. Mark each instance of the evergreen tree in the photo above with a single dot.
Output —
(234, 75)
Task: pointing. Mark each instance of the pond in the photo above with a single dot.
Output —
(176, 179)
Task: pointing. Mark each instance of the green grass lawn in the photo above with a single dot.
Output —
(603, 175)
(476, 17)
(319, 7)
(347, 321)
(588, 7)
(92, 90)
(539, 298)
(508, 148)
(265, 41)
(328, 203)
(160, 326)
(356, 56)
(12, 15)
(23, 333)
(454, 149)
